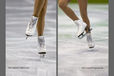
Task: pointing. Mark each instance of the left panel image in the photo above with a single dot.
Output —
(30, 37)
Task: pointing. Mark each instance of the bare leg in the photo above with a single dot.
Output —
(63, 4)
(38, 5)
(41, 20)
(83, 11)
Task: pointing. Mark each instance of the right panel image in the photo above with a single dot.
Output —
(83, 37)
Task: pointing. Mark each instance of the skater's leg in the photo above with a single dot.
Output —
(40, 30)
(31, 27)
(41, 21)
(83, 11)
(63, 4)
(38, 5)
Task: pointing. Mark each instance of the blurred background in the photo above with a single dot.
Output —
(94, 1)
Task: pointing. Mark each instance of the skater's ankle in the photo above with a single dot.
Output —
(34, 17)
(41, 37)
(88, 30)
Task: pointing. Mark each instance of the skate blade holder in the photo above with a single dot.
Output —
(27, 36)
(92, 47)
(82, 35)
(42, 54)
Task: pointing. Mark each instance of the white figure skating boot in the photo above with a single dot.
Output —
(42, 46)
(90, 42)
(31, 28)
(81, 28)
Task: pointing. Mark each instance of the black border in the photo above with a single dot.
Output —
(111, 37)
(56, 37)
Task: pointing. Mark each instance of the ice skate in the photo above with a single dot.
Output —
(31, 28)
(81, 28)
(90, 42)
(42, 46)
(84, 34)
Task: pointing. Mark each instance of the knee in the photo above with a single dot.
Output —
(62, 5)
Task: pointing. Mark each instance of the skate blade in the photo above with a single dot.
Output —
(42, 54)
(82, 35)
(27, 36)
(92, 47)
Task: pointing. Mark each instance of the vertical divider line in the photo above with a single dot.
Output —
(56, 37)
(111, 38)
(2, 37)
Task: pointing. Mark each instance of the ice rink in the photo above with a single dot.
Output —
(21, 54)
(75, 59)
